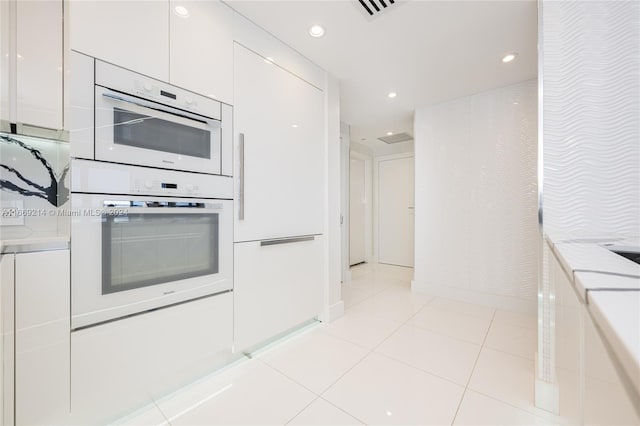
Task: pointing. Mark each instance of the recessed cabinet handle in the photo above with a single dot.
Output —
(286, 240)
(241, 178)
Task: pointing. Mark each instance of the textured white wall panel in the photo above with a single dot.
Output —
(591, 118)
(476, 197)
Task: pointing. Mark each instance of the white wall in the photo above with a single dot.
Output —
(334, 307)
(591, 125)
(476, 198)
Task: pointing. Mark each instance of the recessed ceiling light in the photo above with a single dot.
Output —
(392, 94)
(295, 126)
(509, 58)
(181, 11)
(316, 31)
(389, 133)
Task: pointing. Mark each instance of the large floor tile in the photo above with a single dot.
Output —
(520, 319)
(364, 330)
(478, 409)
(394, 304)
(322, 413)
(512, 339)
(250, 393)
(148, 416)
(457, 307)
(371, 284)
(508, 378)
(454, 324)
(315, 360)
(352, 295)
(380, 390)
(443, 356)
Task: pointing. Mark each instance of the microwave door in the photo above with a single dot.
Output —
(135, 131)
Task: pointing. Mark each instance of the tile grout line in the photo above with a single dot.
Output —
(344, 411)
(404, 323)
(516, 407)
(475, 364)
(303, 408)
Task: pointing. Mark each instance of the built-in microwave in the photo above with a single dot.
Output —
(142, 121)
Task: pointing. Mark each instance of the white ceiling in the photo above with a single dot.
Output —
(426, 51)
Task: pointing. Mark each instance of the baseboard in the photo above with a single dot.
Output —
(465, 295)
(333, 312)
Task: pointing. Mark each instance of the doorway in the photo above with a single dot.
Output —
(395, 209)
(357, 203)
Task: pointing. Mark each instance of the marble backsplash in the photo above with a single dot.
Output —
(33, 187)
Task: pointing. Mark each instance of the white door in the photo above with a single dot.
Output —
(396, 211)
(357, 198)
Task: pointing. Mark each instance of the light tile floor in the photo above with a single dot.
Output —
(395, 358)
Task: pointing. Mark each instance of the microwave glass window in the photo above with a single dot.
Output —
(140, 250)
(143, 131)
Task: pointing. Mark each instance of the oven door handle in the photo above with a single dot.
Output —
(114, 209)
(156, 107)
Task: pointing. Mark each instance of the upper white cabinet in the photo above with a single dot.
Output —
(279, 135)
(131, 34)
(31, 65)
(39, 63)
(201, 48)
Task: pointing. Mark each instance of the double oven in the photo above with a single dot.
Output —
(151, 198)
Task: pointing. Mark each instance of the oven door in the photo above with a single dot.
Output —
(131, 130)
(134, 254)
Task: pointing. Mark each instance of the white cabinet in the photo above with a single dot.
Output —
(39, 76)
(279, 132)
(606, 400)
(591, 390)
(130, 34)
(7, 270)
(278, 285)
(201, 48)
(5, 65)
(569, 346)
(123, 365)
(31, 66)
(42, 337)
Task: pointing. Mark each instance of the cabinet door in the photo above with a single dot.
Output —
(569, 347)
(606, 401)
(39, 63)
(7, 341)
(42, 337)
(130, 34)
(278, 120)
(201, 48)
(276, 287)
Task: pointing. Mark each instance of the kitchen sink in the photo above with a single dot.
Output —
(633, 256)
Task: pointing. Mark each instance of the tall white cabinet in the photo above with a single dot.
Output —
(278, 125)
(279, 200)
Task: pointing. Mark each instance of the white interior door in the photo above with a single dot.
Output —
(357, 200)
(396, 211)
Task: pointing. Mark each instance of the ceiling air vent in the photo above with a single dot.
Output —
(400, 137)
(373, 8)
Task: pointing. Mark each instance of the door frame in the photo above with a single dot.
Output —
(376, 197)
(368, 207)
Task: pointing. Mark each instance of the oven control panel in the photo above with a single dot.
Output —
(165, 187)
(96, 177)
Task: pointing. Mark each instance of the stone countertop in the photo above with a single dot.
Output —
(27, 245)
